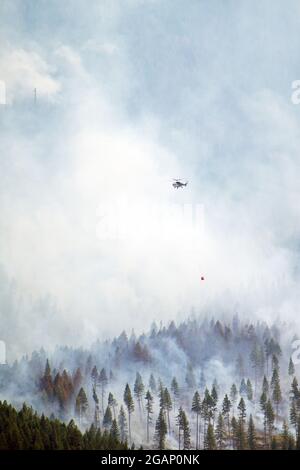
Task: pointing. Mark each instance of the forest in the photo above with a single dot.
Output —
(25, 430)
(203, 384)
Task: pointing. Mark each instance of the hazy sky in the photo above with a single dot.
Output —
(130, 94)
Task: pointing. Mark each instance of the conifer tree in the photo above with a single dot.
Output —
(263, 404)
(249, 390)
(276, 393)
(128, 400)
(139, 390)
(233, 396)
(274, 352)
(295, 407)
(242, 410)
(179, 424)
(208, 406)
(220, 432)
(175, 391)
(234, 430)
(161, 395)
(167, 406)
(114, 432)
(267, 352)
(270, 417)
(285, 436)
(210, 440)
(103, 381)
(274, 377)
(275, 362)
(15, 437)
(149, 409)
(294, 416)
(186, 431)
(216, 386)
(122, 424)
(295, 393)
(263, 401)
(94, 376)
(241, 440)
(46, 382)
(226, 407)
(271, 348)
(265, 386)
(196, 408)
(112, 402)
(161, 431)
(298, 434)
(257, 362)
(214, 396)
(88, 365)
(97, 412)
(240, 432)
(77, 379)
(152, 384)
(81, 405)
(67, 385)
(243, 388)
(183, 426)
(107, 418)
(251, 435)
(74, 436)
(291, 367)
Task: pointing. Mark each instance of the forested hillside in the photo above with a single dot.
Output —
(25, 430)
(202, 384)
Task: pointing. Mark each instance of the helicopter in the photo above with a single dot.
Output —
(177, 183)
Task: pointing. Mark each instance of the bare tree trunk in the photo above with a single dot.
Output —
(199, 441)
(129, 428)
(197, 431)
(148, 427)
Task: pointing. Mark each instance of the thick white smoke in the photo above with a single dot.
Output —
(130, 95)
